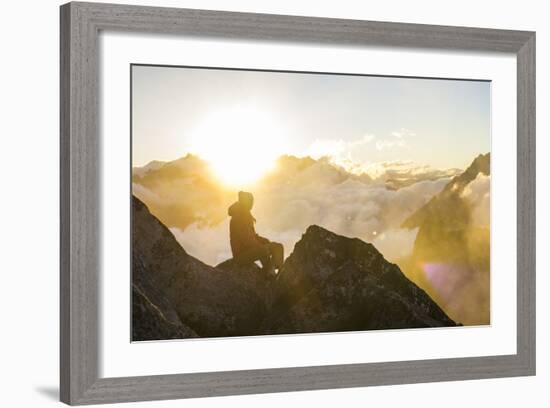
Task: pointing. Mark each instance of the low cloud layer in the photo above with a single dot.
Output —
(306, 192)
(209, 244)
(395, 174)
(337, 148)
(477, 193)
(396, 243)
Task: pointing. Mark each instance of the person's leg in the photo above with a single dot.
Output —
(257, 253)
(264, 256)
(277, 254)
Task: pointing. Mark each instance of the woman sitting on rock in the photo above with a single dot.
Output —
(247, 246)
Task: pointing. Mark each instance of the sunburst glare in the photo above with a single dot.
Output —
(241, 144)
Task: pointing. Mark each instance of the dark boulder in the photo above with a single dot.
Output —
(335, 283)
(153, 322)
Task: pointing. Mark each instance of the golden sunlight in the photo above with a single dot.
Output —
(241, 144)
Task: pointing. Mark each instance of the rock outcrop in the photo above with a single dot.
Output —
(448, 203)
(155, 321)
(333, 283)
(328, 283)
(211, 301)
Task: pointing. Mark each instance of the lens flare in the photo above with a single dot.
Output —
(241, 144)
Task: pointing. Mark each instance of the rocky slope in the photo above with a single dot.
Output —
(449, 198)
(155, 320)
(334, 283)
(210, 301)
(451, 255)
(329, 283)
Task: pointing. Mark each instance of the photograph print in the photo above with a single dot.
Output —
(279, 202)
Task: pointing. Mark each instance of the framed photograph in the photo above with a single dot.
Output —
(257, 203)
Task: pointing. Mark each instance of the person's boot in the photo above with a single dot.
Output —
(269, 269)
(277, 254)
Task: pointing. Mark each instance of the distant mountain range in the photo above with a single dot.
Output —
(162, 185)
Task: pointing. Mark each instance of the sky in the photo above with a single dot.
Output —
(359, 119)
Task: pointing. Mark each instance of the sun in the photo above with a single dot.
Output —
(241, 144)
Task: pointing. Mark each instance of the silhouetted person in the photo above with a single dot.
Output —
(247, 246)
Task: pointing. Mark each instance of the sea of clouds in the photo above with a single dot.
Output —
(478, 194)
(318, 194)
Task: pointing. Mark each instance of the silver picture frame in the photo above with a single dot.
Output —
(80, 235)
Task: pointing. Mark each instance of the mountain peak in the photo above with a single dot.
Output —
(351, 285)
(448, 204)
(450, 237)
(319, 246)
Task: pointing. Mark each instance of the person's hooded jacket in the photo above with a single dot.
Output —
(242, 234)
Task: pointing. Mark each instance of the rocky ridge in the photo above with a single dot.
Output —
(329, 283)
